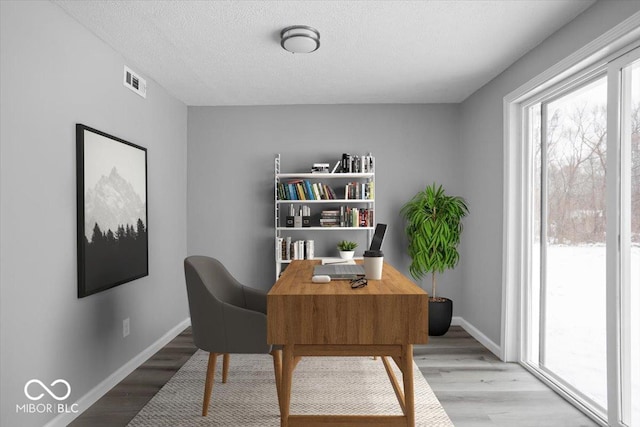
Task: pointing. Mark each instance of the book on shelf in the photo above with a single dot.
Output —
(279, 245)
(288, 250)
(359, 191)
(303, 189)
(357, 164)
(335, 168)
(309, 249)
(347, 217)
(330, 218)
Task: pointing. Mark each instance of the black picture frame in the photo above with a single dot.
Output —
(112, 214)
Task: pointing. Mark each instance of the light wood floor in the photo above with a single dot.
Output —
(475, 388)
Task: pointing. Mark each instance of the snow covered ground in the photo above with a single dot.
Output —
(576, 322)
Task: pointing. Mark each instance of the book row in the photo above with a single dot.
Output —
(359, 191)
(286, 249)
(303, 189)
(347, 217)
(357, 164)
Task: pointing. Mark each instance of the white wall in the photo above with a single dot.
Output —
(54, 74)
(481, 161)
(230, 173)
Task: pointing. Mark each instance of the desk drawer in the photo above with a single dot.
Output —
(347, 319)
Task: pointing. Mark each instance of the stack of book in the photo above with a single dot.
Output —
(330, 218)
(303, 189)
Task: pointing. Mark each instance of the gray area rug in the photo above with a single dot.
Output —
(321, 385)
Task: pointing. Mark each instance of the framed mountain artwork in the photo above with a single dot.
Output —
(112, 211)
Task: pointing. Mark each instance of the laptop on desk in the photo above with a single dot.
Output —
(341, 271)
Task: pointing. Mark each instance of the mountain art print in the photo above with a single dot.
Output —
(112, 211)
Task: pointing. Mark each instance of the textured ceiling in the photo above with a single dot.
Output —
(228, 52)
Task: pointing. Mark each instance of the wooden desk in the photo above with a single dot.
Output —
(384, 318)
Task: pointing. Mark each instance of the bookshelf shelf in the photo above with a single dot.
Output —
(316, 175)
(325, 228)
(333, 259)
(322, 197)
(330, 201)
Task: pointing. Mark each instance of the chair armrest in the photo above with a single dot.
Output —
(246, 330)
(255, 299)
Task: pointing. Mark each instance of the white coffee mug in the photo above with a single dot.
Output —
(373, 261)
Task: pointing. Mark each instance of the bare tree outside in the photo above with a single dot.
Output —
(576, 162)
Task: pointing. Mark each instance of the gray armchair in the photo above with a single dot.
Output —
(226, 317)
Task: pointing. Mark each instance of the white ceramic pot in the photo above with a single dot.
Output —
(346, 254)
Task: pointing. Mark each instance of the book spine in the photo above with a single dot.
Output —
(309, 249)
(288, 248)
(308, 190)
(279, 249)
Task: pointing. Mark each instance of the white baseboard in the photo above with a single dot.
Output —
(112, 380)
(475, 333)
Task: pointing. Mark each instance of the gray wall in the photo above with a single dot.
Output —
(230, 172)
(54, 74)
(481, 160)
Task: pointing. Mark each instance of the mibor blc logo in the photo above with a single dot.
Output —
(35, 390)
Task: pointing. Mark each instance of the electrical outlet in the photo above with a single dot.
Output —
(125, 327)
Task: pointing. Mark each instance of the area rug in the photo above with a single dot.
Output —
(321, 385)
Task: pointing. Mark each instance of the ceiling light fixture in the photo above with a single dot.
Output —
(300, 39)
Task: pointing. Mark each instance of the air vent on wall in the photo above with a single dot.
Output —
(135, 82)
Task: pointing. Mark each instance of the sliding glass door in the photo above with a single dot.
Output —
(628, 78)
(632, 345)
(581, 296)
(569, 280)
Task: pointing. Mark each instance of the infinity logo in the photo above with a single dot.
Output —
(52, 394)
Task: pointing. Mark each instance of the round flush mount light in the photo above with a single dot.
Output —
(300, 39)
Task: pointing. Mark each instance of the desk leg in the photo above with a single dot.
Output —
(407, 377)
(288, 365)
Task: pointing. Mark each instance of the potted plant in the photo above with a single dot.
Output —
(346, 249)
(434, 226)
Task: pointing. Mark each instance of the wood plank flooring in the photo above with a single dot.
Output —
(121, 404)
(475, 388)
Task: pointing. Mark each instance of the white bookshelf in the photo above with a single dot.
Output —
(316, 206)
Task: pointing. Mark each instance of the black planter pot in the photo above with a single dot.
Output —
(440, 313)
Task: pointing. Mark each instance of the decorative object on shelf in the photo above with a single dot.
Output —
(434, 227)
(111, 211)
(346, 249)
(320, 168)
(290, 221)
(300, 39)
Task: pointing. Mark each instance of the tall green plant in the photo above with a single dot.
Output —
(434, 226)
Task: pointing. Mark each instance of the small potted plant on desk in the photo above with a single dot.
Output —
(346, 249)
(434, 226)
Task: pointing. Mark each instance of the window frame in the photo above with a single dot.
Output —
(592, 58)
